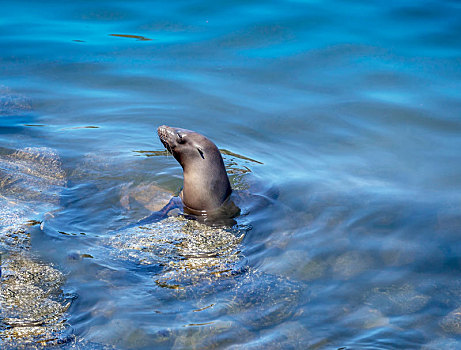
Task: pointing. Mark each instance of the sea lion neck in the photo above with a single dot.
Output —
(206, 185)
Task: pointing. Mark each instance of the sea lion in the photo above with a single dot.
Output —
(206, 193)
(206, 189)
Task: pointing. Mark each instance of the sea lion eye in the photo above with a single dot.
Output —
(180, 138)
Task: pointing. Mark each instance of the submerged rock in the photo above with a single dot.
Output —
(189, 252)
(208, 336)
(146, 195)
(442, 343)
(104, 181)
(122, 334)
(351, 264)
(32, 174)
(451, 323)
(399, 252)
(12, 103)
(289, 335)
(311, 270)
(366, 318)
(196, 262)
(295, 263)
(33, 304)
(31, 180)
(396, 300)
(449, 293)
(262, 300)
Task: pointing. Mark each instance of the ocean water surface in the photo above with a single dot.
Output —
(340, 126)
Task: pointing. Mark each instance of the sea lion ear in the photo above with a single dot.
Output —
(201, 152)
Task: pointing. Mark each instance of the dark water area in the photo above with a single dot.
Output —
(340, 125)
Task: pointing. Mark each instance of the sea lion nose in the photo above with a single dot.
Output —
(162, 131)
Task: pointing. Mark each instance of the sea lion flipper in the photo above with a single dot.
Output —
(175, 202)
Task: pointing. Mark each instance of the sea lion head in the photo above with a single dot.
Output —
(206, 185)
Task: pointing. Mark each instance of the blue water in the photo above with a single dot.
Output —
(351, 110)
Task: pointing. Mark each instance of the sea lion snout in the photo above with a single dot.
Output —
(161, 130)
(164, 133)
(167, 136)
